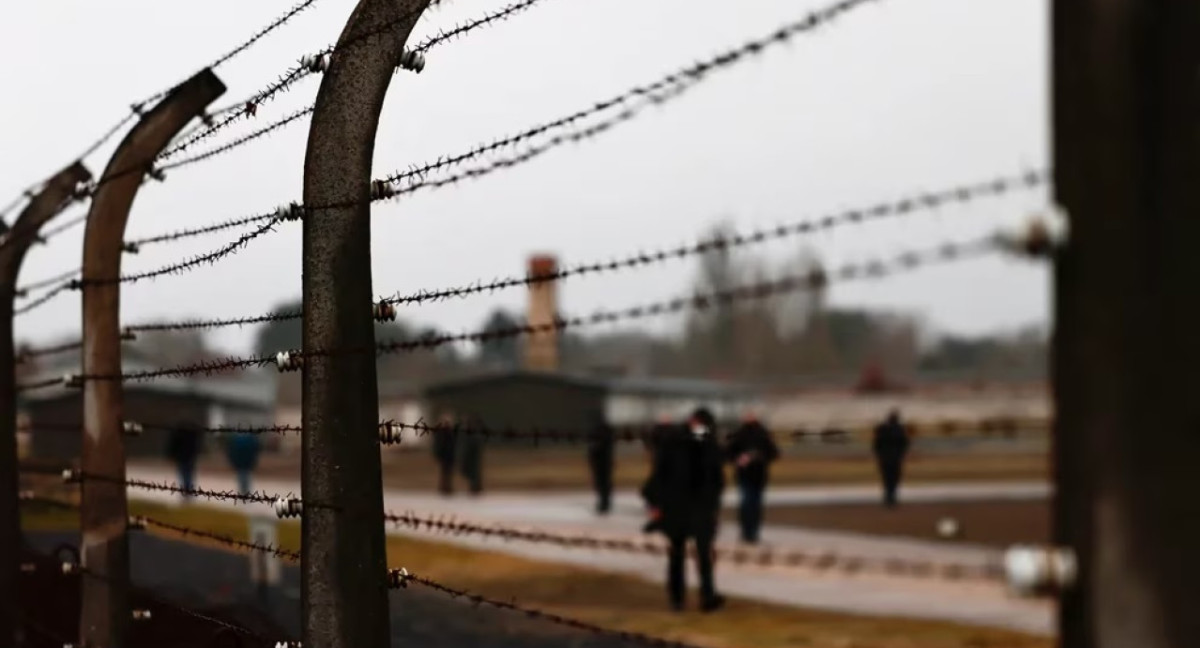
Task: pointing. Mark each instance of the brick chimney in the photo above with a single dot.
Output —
(541, 349)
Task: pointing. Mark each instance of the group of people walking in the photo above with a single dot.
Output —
(183, 449)
(465, 450)
(683, 491)
(687, 479)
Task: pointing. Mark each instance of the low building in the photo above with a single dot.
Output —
(519, 400)
(54, 415)
(534, 400)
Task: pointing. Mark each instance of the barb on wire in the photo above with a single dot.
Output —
(245, 139)
(664, 89)
(255, 497)
(137, 108)
(180, 267)
(287, 361)
(42, 299)
(144, 521)
(247, 44)
(483, 21)
(167, 604)
(792, 283)
(817, 560)
(217, 537)
(905, 205)
(400, 578)
(260, 34)
(248, 109)
(656, 93)
(47, 282)
(425, 46)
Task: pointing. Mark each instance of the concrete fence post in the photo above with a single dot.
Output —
(344, 555)
(47, 204)
(104, 611)
(1127, 172)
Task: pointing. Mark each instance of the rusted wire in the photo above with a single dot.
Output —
(903, 206)
(413, 180)
(817, 279)
(401, 579)
(255, 497)
(792, 283)
(245, 139)
(137, 108)
(486, 20)
(818, 560)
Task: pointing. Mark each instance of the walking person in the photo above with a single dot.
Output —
(891, 446)
(751, 450)
(183, 448)
(684, 495)
(445, 445)
(242, 450)
(470, 450)
(601, 444)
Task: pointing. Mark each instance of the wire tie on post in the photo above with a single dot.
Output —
(130, 247)
(398, 578)
(381, 189)
(74, 381)
(289, 360)
(289, 507)
(412, 61)
(290, 211)
(132, 428)
(384, 311)
(390, 433)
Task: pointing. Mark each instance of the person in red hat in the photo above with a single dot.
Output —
(751, 450)
(684, 495)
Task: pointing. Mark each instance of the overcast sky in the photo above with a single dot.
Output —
(899, 96)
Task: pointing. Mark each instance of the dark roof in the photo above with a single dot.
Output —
(640, 385)
(495, 376)
(668, 386)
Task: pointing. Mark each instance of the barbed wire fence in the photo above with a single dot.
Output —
(358, 43)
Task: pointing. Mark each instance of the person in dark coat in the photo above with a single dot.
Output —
(751, 450)
(183, 448)
(684, 495)
(470, 450)
(663, 428)
(445, 445)
(601, 444)
(890, 447)
(242, 451)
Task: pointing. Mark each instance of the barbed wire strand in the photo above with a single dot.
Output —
(167, 603)
(250, 106)
(282, 84)
(138, 107)
(430, 43)
(818, 279)
(902, 206)
(400, 579)
(652, 98)
(817, 560)
(231, 496)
